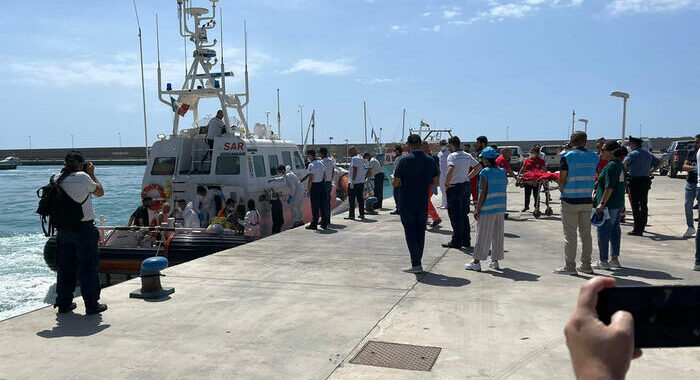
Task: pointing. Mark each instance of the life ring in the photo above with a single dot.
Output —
(157, 201)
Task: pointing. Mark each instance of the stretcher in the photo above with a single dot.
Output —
(541, 181)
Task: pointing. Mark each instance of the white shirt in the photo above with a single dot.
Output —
(316, 168)
(396, 163)
(543, 156)
(375, 167)
(463, 164)
(359, 163)
(214, 128)
(190, 219)
(329, 165)
(79, 186)
(206, 204)
(442, 156)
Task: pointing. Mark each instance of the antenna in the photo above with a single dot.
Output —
(143, 82)
(279, 118)
(221, 30)
(158, 40)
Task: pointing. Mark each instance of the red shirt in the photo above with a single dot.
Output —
(533, 163)
(503, 162)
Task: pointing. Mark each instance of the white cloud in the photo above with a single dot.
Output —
(510, 10)
(400, 29)
(450, 13)
(337, 67)
(377, 80)
(643, 6)
(426, 14)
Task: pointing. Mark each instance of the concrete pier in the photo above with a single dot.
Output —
(301, 304)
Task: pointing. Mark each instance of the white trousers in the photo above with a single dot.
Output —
(297, 216)
(489, 237)
(443, 192)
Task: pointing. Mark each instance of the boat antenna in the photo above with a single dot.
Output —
(143, 81)
(279, 118)
(403, 125)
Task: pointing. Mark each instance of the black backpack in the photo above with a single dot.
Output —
(56, 208)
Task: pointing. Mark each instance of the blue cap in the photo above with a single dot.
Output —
(489, 153)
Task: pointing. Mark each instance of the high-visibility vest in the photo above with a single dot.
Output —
(495, 201)
(581, 175)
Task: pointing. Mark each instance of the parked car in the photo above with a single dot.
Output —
(517, 159)
(552, 156)
(675, 156)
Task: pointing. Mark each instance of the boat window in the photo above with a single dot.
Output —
(287, 159)
(259, 163)
(163, 166)
(273, 162)
(298, 162)
(228, 165)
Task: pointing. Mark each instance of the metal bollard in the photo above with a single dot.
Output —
(150, 280)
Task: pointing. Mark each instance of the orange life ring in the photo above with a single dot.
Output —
(157, 201)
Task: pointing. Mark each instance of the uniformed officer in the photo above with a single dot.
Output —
(329, 165)
(459, 164)
(315, 185)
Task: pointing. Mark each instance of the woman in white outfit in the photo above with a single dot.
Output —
(296, 193)
(251, 222)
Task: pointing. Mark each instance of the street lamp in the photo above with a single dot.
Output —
(30, 145)
(72, 142)
(331, 140)
(267, 119)
(301, 123)
(347, 151)
(624, 97)
(585, 124)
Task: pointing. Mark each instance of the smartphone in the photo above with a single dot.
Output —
(664, 316)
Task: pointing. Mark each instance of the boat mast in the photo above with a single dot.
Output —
(279, 118)
(403, 125)
(143, 82)
(364, 106)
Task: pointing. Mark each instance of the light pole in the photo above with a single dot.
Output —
(30, 145)
(624, 97)
(585, 124)
(72, 142)
(267, 119)
(573, 118)
(331, 140)
(120, 141)
(380, 135)
(301, 123)
(347, 151)
(507, 133)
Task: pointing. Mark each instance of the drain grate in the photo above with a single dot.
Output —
(396, 355)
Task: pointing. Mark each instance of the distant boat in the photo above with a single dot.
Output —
(9, 163)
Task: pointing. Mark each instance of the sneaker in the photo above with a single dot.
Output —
(65, 309)
(615, 263)
(585, 269)
(689, 232)
(415, 269)
(473, 266)
(97, 309)
(635, 233)
(436, 223)
(395, 212)
(565, 270)
(349, 218)
(494, 265)
(311, 227)
(524, 209)
(602, 265)
(449, 244)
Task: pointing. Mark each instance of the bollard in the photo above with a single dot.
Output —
(150, 280)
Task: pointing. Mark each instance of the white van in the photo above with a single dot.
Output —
(517, 159)
(552, 156)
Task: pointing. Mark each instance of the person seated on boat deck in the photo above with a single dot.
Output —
(251, 222)
(140, 217)
(163, 215)
(229, 208)
(179, 211)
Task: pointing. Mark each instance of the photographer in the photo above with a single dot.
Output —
(77, 255)
(599, 351)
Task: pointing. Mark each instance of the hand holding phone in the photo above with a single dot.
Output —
(599, 350)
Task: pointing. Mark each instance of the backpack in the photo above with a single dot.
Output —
(57, 210)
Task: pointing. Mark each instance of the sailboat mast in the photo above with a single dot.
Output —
(279, 118)
(364, 106)
(403, 125)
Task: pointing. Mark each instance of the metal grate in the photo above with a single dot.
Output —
(396, 355)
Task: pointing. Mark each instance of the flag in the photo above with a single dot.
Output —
(173, 104)
(424, 124)
(183, 109)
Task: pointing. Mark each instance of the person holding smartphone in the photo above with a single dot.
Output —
(600, 351)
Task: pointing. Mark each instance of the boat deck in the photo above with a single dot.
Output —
(301, 304)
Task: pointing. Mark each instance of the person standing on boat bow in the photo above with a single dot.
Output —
(77, 255)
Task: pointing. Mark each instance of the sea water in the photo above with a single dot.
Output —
(25, 279)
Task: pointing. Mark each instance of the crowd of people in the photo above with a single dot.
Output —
(593, 187)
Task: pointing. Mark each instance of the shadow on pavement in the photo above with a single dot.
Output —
(365, 220)
(337, 226)
(512, 236)
(327, 231)
(643, 273)
(514, 275)
(625, 281)
(659, 237)
(436, 279)
(72, 324)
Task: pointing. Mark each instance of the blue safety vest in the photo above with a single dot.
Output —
(581, 175)
(495, 201)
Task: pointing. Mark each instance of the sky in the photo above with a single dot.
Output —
(503, 68)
